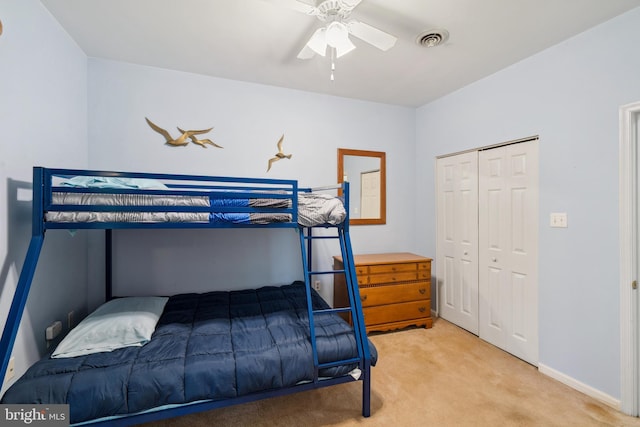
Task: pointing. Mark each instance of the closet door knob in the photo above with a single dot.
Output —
(494, 259)
(466, 253)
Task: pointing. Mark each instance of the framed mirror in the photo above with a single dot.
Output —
(366, 173)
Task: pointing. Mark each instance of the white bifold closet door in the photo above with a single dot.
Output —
(457, 247)
(487, 251)
(508, 252)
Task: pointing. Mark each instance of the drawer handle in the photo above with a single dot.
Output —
(422, 291)
(363, 298)
(422, 309)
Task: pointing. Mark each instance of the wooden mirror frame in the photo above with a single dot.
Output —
(383, 183)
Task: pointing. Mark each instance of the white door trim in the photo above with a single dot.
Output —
(628, 258)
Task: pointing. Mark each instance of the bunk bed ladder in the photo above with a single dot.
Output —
(354, 309)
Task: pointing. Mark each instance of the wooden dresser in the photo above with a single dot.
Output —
(395, 289)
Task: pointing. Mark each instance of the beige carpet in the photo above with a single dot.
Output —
(441, 376)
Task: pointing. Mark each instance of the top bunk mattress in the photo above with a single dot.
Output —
(97, 199)
(313, 209)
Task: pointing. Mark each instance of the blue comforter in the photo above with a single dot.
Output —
(215, 345)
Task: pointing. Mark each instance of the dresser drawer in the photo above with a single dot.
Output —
(393, 268)
(380, 295)
(404, 276)
(397, 312)
(424, 268)
(362, 270)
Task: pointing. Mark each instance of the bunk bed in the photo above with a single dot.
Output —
(200, 351)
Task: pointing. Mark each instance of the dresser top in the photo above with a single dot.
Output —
(386, 258)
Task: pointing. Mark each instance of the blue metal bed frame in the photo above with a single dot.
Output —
(194, 185)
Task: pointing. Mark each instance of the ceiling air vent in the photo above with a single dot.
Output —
(432, 38)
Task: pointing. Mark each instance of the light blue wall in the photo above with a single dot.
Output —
(248, 119)
(43, 121)
(570, 96)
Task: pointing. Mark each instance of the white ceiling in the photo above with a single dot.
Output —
(258, 40)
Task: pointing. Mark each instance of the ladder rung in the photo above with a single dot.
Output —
(338, 363)
(321, 237)
(327, 272)
(332, 310)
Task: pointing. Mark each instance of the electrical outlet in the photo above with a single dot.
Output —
(53, 330)
(11, 369)
(317, 285)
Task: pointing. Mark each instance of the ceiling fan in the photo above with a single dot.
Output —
(334, 34)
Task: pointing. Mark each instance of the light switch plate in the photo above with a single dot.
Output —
(558, 219)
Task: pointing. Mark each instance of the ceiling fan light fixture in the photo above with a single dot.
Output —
(338, 28)
(344, 48)
(318, 42)
(337, 36)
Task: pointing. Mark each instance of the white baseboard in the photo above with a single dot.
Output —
(579, 386)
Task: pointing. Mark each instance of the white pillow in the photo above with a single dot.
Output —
(121, 322)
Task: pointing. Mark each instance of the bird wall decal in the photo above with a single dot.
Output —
(181, 140)
(201, 142)
(279, 155)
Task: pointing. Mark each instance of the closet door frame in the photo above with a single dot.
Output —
(629, 118)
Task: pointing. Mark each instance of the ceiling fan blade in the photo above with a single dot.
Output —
(349, 4)
(371, 35)
(298, 6)
(316, 44)
(306, 53)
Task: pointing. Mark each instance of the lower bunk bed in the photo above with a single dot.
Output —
(208, 350)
